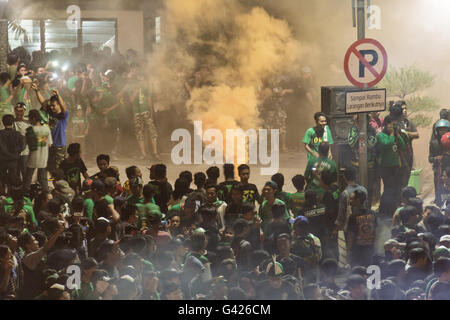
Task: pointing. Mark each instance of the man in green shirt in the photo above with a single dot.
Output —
(5, 96)
(389, 143)
(296, 200)
(316, 135)
(316, 166)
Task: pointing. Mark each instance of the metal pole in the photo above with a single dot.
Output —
(362, 118)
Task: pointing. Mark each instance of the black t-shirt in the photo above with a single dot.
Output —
(162, 194)
(290, 264)
(73, 173)
(440, 291)
(331, 202)
(224, 191)
(285, 292)
(363, 225)
(250, 193)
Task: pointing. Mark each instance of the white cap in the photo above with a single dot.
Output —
(445, 238)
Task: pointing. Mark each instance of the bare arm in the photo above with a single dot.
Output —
(311, 151)
(39, 96)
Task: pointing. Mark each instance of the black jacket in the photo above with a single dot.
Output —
(11, 144)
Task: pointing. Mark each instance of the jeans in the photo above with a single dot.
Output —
(391, 190)
(42, 178)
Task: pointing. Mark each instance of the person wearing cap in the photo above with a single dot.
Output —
(436, 153)
(265, 210)
(110, 255)
(20, 125)
(308, 247)
(103, 231)
(445, 241)
(407, 193)
(150, 281)
(439, 289)
(136, 191)
(356, 288)
(275, 287)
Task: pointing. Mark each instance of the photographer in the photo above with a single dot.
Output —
(389, 143)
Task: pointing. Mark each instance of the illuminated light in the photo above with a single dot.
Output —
(55, 64)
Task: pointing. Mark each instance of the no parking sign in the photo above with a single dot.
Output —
(365, 63)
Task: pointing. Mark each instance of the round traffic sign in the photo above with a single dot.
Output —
(362, 71)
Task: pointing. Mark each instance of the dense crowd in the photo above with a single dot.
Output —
(222, 239)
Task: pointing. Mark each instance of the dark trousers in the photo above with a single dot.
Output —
(437, 188)
(8, 172)
(55, 157)
(391, 190)
(329, 242)
(22, 167)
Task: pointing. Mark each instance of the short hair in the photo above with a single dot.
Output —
(236, 293)
(35, 115)
(298, 181)
(148, 190)
(324, 148)
(387, 290)
(199, 179)
(407, 212)
(309, 291)
(187, 175)
(160, 170)
(24, 239)
(394, 267)
(197, 240)
(278, 210)
(247, 207)
(130, 171)
(443, 114)
(238, 186)
(279, 179)
(8, 120)
(329, 267)
(317, 115)
(228, 170)
(360, 195)
(77, 204)
(350, 174)
(408, 192)
(213, 173)
(416, 254)
(73, 149)
(12, 58)
(243, 167)
(128, 211)
(387, 120)
(239, 226)
(103, 157)
(54, 205)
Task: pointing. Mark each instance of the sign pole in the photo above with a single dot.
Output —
(362, 117)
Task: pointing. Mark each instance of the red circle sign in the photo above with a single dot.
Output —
(381, 63)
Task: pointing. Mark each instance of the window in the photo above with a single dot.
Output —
(59, 37)
(25, 33)
(99, 33)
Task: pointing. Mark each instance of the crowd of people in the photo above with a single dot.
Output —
(222, 239)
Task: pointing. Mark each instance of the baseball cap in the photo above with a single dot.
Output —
(302, 219)
(284, 236)
(20, 105)
(98, 185)
(89, 263)
(445, 238)
(271, 184)
(136, 181)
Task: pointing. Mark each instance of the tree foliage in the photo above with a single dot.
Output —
(408, 83)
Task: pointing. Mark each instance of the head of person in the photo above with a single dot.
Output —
(187, 176)
(211, 193)
(28, 242)
(312, 292)
(173, 217)
(228, 170)
(88, 267)
(54, 105)
(103, 162)
(12, 59)
(387, 291)
(74, 150)
(396, 110)
(278, 211)
(375, 115)
(148, 191)
(301, 225)
(350, 175)
(357, 285)
(278, 178)
(160, 171)
(441, 269)
(189, 208)
(19, 111)
(237, 193)
(197, 241)
(199, 180)
(284, 244)
(241, 228)
(328, 269)
(419, 258)
(321, 120)
(109, 252)
(409, 216)
(248, 211)
(213, 173)
(444, 114)
(275, 272)
(133, 172)
(34, 117)
(181, 188)
(269, 190)
(172, 292)
(102, 226)
(389, 124)
(129, 213)
(8, 120)
(358, 198)
(244, 173)
(299, 182)
(136, 187)
(407, 193)
(208, 214)
(442, 127)
(324, 148)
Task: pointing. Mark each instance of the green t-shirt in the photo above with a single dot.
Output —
(107, 101)
(109, 199)
(25, 97)
(296, 202)
(321, 164)
(143, 210)
(176, 207)
(312, 139)
(134, 200)
(5, 108)
(71, 82)
(140, 104)
(388, 150)
(27, 207)
(88, 208)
